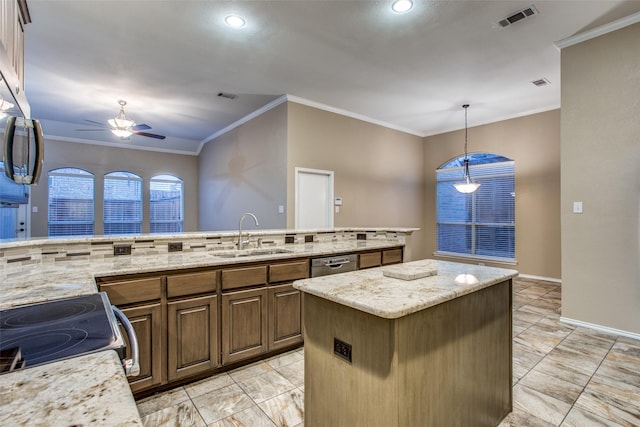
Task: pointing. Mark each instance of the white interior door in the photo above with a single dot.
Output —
(314, 198)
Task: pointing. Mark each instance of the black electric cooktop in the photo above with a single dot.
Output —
(41, 333)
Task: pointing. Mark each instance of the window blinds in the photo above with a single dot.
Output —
(70, 202)
(479, 224)
(122, 203)
(166, 204)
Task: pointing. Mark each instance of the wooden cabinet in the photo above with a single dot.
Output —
(244, 324)
(14, 14)
(378, 258)
(369, 260)
(147, 323)
(192, 336)
(392, 256)
(285, 316)
(194, 321)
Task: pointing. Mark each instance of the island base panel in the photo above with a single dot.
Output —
(448, 365)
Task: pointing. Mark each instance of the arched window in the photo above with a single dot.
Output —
(479, 224)
(122, 203)
(166, 204)
(70, 202)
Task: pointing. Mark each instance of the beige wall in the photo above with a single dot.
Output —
(244, 170)
(378, 172)
(100, 160)
(600, 131)
(533, 142)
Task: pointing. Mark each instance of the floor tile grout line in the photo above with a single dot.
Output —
(587, 383)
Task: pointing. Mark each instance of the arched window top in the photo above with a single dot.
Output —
(166, 177)
(70, 171)
(122, 174)
(475, 159)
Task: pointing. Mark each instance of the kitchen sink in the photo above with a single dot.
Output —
(250, 252)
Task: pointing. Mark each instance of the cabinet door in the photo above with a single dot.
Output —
(285, 326)
(391, 256)
(370, 259)
(147, 322)
(244, 324)
(192, 337)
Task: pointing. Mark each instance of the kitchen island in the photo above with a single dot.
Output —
(92, 389)
(402, 346)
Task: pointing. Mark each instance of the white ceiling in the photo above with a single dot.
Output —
(413, 71)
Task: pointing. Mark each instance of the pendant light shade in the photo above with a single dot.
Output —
(467, 186)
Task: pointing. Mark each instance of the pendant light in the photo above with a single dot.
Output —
(467, 186)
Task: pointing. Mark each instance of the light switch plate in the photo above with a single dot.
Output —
(577, 207)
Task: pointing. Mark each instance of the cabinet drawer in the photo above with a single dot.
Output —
(288, 271)
(241, 277)
(392, 256)
(370, 259)
(131, 291)
(192, 283)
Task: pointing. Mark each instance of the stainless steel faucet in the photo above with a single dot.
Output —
(240, 243)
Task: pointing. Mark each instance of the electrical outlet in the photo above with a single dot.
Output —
(122, 249)
(175, 247)
(342, 349)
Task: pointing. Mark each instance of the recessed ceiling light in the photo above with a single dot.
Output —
(402, 6)
(234, 21)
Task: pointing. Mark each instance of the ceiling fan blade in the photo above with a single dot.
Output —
(150, 135)
(98, 124)
(141, 126)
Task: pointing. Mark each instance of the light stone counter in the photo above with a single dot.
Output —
(32, 282)
(69, 393)
(92, 389)
(372, 292)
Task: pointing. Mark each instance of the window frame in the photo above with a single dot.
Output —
(84, 174)
(473, 201)
(122, 176)
(169, 179)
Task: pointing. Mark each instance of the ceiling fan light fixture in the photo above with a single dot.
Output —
(467, 186)
(234, 21)
(402, 6)
(120, 125)
(121, 133)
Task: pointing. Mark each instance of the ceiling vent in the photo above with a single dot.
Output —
(541, 82)
(518, 16)
(227, 95)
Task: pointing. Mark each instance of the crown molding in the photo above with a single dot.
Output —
(242, 121)
(118, 145)
(340, 111)
(598, 31)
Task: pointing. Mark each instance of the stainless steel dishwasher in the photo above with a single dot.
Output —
(333, 265)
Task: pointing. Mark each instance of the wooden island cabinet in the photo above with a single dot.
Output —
(405, 347)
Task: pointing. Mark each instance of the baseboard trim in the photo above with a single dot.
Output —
(546, 279)
(600, 328)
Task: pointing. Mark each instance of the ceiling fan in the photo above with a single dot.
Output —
(123, 127)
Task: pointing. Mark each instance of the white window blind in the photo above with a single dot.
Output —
(122, 203)
(166, 204)
(480, 224)
(71, 193)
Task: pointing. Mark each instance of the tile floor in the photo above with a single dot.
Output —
(562, 376)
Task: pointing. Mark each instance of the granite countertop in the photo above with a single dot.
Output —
(373, 292)
(47, 280)
(69, 393)
(92, 389)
